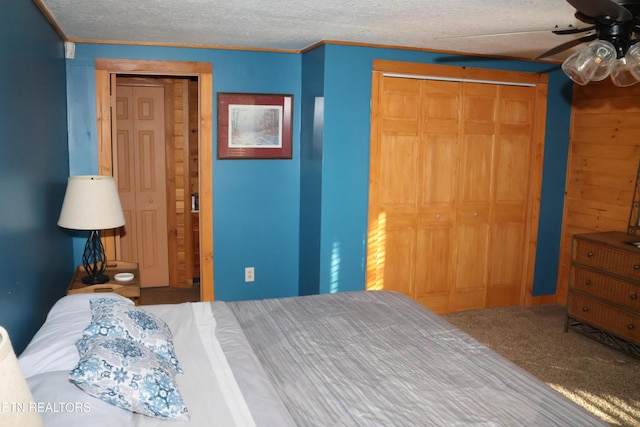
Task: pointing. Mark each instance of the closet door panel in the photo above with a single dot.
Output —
(440, 126)
(438, 162)
(433, 270)
(399, 255)
(470, 263)
(505, 261)
(398, 172)
(511, 194)
(394, 178)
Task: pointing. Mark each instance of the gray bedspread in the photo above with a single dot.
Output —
(379, 359)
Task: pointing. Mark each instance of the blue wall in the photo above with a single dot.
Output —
(256, 202)
(35, 255)
(302, 222)
(345, 169)
(311, 169)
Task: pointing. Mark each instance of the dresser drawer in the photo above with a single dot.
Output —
(606, 287)
(615, 261)
(604, 316)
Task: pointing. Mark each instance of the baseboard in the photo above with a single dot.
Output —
(540, 300)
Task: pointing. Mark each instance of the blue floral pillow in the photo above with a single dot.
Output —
(113, 318)
(128, 375)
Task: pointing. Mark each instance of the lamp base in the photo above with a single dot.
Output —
(94, 260)
(90, 280)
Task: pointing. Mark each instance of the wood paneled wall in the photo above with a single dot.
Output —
(182, 184)
(602, 166)
(194, 115)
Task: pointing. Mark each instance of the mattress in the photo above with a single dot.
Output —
(380, 359)
(370, 358)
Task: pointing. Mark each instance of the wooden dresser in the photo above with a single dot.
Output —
(604, 285)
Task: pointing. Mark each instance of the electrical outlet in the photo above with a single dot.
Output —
(249, 274)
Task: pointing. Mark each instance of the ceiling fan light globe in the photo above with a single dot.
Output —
(633, 60)
(570, 68)
(596, 60)
(621, 74)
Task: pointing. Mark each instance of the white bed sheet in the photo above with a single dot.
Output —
(208, 387)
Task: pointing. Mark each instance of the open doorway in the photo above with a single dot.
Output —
(155, 155)
(109, 73)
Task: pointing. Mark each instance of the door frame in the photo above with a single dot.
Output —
(106, 72)
(456, 73)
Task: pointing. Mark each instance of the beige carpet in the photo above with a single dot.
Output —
(604, 381)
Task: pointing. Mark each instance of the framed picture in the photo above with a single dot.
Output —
(254, 126)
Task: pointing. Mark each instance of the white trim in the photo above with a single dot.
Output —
(456, 79)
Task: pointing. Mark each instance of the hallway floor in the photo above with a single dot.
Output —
(167, 295)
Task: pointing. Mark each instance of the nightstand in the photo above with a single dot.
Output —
(130, 289)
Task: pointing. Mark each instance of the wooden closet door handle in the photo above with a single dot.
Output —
(630, 326)
(585, 309)
(587, 282)
(636, 267)
(590, 254)
(633, 296)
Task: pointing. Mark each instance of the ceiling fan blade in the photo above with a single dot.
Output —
(584, 18)
(506, 33)
(595, 8)
(567, 45)
(574, 30)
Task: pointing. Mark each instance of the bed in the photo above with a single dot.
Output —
(370, 358)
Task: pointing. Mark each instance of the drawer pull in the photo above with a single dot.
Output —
(633, 296)
(636, 267)
(585, 309)
(630, 326)
(587, 282)
(590, 254)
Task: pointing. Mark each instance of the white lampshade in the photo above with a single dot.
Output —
(18, 408)
(91, 203)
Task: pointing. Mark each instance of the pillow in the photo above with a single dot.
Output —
(113, 319)
(53, 346)
(105, 304)
(129, 375)
(62, 404)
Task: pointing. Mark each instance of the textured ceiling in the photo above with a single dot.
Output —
(451, 25)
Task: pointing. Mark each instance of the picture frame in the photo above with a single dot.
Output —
(254, 126)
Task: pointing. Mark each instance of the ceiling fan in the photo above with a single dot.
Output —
(614, 29)
(617, 22)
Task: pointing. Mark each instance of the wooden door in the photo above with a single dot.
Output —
(449, 191)
(511, 192)
(412, 190)
(141, 177)
(473, 216)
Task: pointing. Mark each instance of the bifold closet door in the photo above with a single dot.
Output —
(449, 181)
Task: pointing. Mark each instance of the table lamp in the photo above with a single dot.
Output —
(17, 406)
(92, 203)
